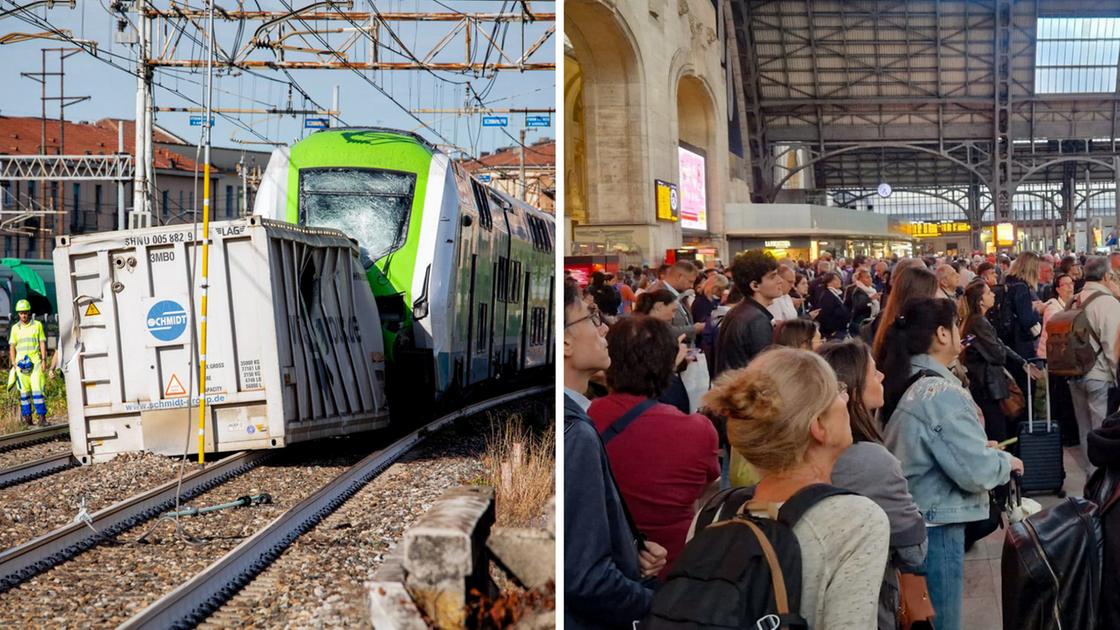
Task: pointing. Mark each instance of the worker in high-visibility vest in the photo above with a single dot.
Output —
(28, 343)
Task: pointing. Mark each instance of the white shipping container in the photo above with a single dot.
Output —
(294, 346)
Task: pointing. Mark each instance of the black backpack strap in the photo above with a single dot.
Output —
(919, 375)
(639, 537)
(804, 499)
(888, 410)
(723, 506)
(618, 426)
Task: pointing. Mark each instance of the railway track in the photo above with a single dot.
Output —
(60, 576)
(193, 601)
(38, 435)
(25, 561)
(35, 469)
(31, 454)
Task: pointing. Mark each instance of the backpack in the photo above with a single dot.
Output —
(1069, 340)
(708, 337)
(1002, 315)
(738, 570)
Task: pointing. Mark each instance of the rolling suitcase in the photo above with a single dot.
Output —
(1040, 448)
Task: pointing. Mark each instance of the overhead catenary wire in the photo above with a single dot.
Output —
(479, 95)
(375, 86)
(47, 26)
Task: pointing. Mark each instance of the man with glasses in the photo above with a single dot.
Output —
(606, 559)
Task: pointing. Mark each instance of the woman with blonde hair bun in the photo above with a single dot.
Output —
(787, 415)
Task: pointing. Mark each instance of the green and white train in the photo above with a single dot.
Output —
(463, 274)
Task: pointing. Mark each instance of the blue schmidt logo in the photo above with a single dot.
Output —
(167, 320)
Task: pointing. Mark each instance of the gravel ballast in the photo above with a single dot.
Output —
(27, 454)
(318, 582)
(106, 585)
(34, 508)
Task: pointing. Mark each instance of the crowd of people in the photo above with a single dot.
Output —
(893, 379)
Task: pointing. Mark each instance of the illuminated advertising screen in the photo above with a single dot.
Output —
(1005, 234)
(693, 190)
(668, 201)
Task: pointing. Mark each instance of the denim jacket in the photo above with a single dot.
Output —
(935, 432)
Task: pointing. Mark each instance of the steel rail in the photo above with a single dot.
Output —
(33, 436)
(193, 601)
(23, 562)
(27, 471)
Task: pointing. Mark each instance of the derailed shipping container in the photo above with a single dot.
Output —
(294, 340)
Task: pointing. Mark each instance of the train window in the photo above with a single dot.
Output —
(483, 328)
(515, 282)
(501, 279)
(371, 205)
(482, 200)
(533, 229)
(537, 326)
(547, 237)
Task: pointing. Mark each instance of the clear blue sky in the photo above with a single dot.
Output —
(113, 91)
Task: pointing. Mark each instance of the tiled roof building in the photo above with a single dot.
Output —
(91, 206)
(501, 169)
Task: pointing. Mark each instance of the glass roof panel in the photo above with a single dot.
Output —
(1077, 55)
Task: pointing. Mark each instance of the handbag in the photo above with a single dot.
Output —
(696, 381)
(915, 609)
(1016, 402)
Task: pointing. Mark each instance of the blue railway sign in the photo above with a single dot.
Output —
(199, 121)
(538, 121)
(316, 123)
(495, 121)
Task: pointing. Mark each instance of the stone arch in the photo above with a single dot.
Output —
(697, 121)
(604, 118)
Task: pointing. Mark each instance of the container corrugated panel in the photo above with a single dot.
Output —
(294, 345)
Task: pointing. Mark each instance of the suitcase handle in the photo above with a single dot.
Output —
(1030, 398)
(1015, 490)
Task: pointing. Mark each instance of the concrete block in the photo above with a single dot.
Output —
(550, 516)
(444, 554)
(529, 554)
(392, 608)
(390, 570)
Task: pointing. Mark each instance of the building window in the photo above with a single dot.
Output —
(1076, 55)
(31, 193)
(229, 201)
(165, 201)
(76, 208)
(93, 218)
(180, 208)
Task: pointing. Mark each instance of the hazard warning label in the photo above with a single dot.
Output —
(91, 310)
(174, 388)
